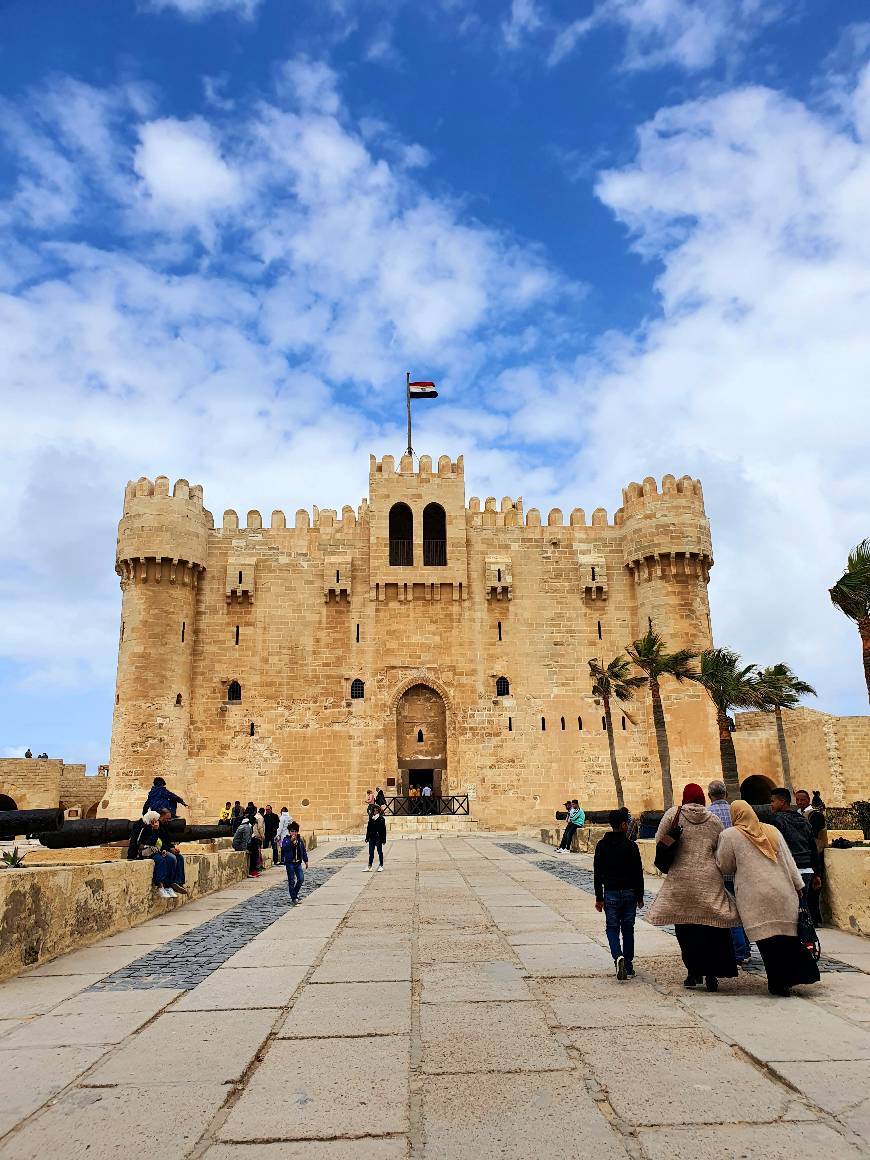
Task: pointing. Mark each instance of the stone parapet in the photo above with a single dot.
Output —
(846, 894)
(46, 911)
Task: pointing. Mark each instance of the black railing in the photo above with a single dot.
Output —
(403, 807)
(435, 553)
(401, 553)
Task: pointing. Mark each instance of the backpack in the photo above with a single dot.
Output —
(242, 836)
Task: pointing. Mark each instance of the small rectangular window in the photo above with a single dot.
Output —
(499, 630)
(510, 724)
(563, 722)
(337, 575)
(240, 577)
(123, 627)
(237, 634)
(543, 724)
(357, 634)
(182, 632)
(599, 631)
(593, 571)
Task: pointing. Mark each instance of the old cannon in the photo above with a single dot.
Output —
(103, 831)
(16, 822)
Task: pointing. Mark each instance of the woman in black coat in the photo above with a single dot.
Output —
(376, 835)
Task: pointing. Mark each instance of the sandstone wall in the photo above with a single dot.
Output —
(46, 911)
(828, 753)
(32, 784)
(847, 889)
(295, 614)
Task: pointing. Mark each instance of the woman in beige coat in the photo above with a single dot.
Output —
(693, 895)
(767, 889)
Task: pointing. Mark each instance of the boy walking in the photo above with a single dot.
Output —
(618, 875)
(294, 856)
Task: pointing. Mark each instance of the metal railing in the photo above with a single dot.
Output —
(403, 807)
(435, 553)
(401, 553)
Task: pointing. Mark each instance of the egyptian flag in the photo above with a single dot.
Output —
(422, 391)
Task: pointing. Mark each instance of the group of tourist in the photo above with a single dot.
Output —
(730, 879)
(40, 756)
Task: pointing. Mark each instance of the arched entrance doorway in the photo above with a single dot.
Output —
(421, 740)
(7, 803)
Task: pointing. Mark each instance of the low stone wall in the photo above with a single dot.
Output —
(46, 911)
(846, 895)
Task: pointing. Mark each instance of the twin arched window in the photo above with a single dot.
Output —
(502, 687)
(357, 690)
(401, 533)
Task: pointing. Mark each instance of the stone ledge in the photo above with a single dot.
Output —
(46, 911)
(847, 888)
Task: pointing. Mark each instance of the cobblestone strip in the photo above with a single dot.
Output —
(342, 853)
(185, 961)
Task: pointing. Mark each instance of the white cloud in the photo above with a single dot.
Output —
(691, 34)
(199, 9)
(525, 18)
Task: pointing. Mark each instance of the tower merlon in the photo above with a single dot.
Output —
(667, 529)
(158, 526)
(387, 466)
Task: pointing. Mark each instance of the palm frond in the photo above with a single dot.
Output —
(851, 593)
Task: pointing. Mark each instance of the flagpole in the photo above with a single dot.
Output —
(408, 404)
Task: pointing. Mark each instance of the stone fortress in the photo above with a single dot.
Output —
(419, 639)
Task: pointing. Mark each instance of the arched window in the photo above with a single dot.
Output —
(234, 691)
(178, 698)
(419, 736)
(434, 536)
(502, 687)
(580, 724)
(401, 536)
(357, 690)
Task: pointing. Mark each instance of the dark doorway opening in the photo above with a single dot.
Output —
(6, 802)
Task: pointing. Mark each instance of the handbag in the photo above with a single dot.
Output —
(806, 932)
(666, 846)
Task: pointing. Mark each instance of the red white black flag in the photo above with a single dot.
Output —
(422, 390)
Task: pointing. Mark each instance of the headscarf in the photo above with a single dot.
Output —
(693, 795)
(370, 797)
(763, 837)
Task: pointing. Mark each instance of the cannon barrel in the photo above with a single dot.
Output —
(15, 822)
(102, 831)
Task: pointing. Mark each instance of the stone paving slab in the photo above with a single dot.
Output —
(454, 947)
(266, 951)
(97, 1003)
(488, 1037)
(473, 983)
(89, 961)
(328, 1088)
(187, 1047)
(330, 1010)
(599, 1003)
(746, 1142)
(771, 1029)
(28, 995)
(73, 1030)
(679, 1076)
(561, 960)
(31, 1077)
(836, 1087)
(239, 989)
(112, 1123)
(348, 963)
(515, 1116)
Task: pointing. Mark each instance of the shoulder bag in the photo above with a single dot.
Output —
(666, 846)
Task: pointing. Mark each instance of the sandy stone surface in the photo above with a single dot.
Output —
(462, 1008)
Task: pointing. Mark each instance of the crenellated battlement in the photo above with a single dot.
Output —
(144, 488)
(666, 532)
(159, 526)
(326, 520)
(445, 467)
(684, 491)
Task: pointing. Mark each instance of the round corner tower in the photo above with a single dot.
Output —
(668, 552)
(162, 549)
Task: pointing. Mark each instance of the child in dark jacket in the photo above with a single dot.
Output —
(160, 798)
(294, 856)
(618, 874)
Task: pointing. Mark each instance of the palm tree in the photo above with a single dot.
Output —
(783, 690)
(729, 685)
(851, 594)
(614, 682)
(650, 655)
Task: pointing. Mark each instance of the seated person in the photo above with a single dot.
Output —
(145, 842)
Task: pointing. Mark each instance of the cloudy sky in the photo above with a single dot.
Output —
(628, 237)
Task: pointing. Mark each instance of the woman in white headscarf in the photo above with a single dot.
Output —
(767, 890)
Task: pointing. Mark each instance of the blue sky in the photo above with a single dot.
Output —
(628, 237)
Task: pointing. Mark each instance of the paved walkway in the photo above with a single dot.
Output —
(460, 1005)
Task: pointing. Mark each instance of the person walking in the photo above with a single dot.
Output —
(270, 825)
(380, 796)
(718, 795)
(376, 835)
(618, 878)
(284, 821)
(258, 838)
(693, 897)
(294, 856)
(767, 886)
(801, 841)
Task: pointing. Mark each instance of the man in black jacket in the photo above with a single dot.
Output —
(801, 840)
(270, 823)
(618, 874)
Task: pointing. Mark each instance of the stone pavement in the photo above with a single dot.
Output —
(460, 1005)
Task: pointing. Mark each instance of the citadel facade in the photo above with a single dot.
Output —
(416, 639)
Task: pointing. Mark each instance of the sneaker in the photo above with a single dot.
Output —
(380, 869)
(367, 869)
(162, 892)
(178, 888)
(711, 983)
(170, 893)
(691, 981)
(620, 969)
(629, 970)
